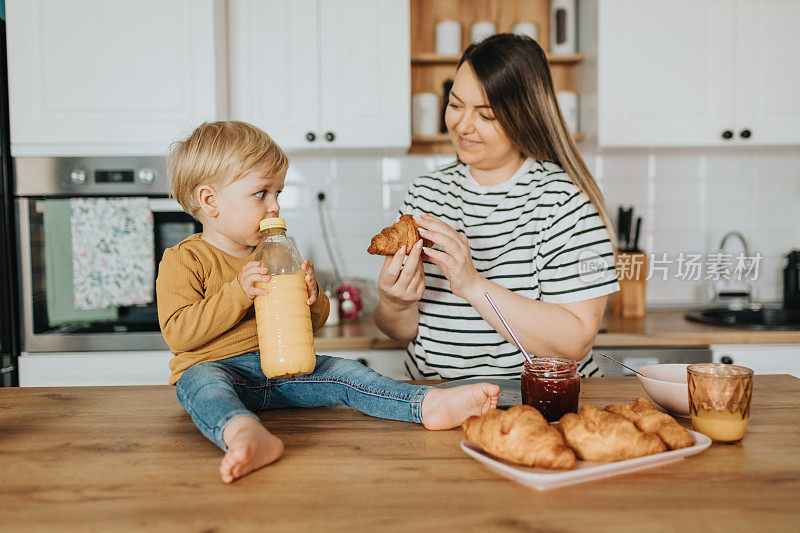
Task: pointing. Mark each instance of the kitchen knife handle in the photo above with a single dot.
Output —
(627, 228)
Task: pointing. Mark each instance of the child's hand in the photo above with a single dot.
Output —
(311, 281)
(252, 273)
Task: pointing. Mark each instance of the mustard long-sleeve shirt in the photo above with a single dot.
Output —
(203, 312)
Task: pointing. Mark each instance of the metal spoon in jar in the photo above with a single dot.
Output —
(503, 320)
(622, 364)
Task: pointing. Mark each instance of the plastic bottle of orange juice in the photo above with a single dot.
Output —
(283, 318)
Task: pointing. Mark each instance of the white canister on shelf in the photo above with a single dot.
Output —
(481, 30)
(526, 28)
(448, 37)
(562, 27)
(425, 114)
(568, 102)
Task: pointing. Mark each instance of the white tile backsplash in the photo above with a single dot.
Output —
(689, 199)
(730, 190)
(294, 196)
(311, 170)
(679, 191)
(363, 196)
(361, 170)
(730, 162)
(393, 196)
(413, 166)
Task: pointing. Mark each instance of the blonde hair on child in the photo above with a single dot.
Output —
(217, 154)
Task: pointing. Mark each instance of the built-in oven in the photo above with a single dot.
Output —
(40, 180)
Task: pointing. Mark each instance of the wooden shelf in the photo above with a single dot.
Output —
(436, 59)
(430, 71)
(565, 59)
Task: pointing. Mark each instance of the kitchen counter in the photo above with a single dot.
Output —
(657, 328)
(670, 328)
(100, 458)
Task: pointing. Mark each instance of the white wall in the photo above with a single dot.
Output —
(689, 198)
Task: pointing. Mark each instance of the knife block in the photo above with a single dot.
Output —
(631, 268)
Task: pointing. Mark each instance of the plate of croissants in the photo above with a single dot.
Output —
(588, 445)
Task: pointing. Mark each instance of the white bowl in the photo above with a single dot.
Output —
(666, 386)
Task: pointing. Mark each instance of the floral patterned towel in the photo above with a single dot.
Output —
(112, 252)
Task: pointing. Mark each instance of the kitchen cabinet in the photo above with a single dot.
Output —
(637, 357)
(386, 362)
(763, 359)
(71, 369)
(686, 73)
(93, 77)
(78, 369)
(319, 74)
(767, 80)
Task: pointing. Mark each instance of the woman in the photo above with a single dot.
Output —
(518, 216)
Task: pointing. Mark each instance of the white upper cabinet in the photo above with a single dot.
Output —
(319, 74)
(768, 71)
(102, 77)
(688, 73)
(665, 72)
(274, 68)
(364, 48)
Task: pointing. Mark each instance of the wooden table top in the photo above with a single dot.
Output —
(100, 458)
(656, 328)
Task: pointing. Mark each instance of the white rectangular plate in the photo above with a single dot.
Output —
(544, 479)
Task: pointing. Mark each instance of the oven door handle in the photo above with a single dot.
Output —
(156, 205)
(164, 205)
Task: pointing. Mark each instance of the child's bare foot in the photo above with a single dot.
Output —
(448, 408)
(250, 446)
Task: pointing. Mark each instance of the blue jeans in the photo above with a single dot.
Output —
(215, 392)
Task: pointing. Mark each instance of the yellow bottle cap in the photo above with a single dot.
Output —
(271, 223)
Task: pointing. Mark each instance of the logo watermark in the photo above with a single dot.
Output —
(591, 267)
(688, 266)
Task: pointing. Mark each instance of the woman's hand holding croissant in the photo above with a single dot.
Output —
(456, 259)
(402, 285)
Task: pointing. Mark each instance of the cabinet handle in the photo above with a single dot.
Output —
(745, 133)
(726, 360)
(311, 136)
(727, 134)
(330, 136)
(363, 361)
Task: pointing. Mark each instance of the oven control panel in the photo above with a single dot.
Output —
(144, 175)
(91, 176)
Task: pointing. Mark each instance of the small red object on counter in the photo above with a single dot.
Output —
(349, 299)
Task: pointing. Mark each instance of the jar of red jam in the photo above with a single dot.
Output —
(551, 385)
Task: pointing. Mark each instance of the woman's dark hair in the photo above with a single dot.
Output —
(516, 80)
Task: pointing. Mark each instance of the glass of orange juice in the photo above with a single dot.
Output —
(719, 400)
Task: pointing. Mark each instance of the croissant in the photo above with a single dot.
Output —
(644, 414)
(389, 240)
(597, 435)
(520, 435)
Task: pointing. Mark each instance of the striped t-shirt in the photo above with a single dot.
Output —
(535, 234)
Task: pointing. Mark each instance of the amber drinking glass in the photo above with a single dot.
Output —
(719, 400)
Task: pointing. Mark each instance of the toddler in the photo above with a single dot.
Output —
(228, 175)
